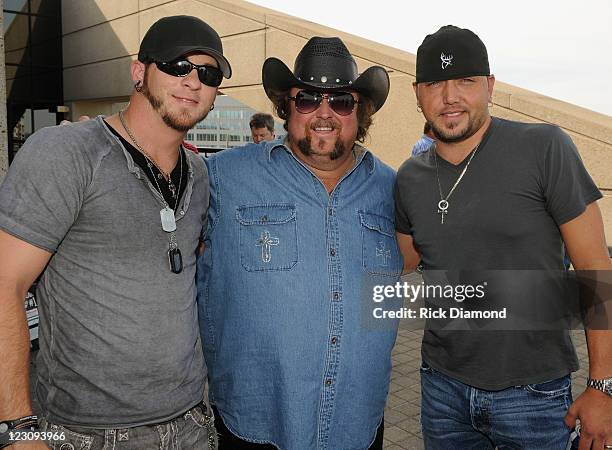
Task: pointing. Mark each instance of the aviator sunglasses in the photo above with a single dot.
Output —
(208, 75)
(342, 103)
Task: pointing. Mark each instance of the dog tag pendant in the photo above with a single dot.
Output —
(167, 219)
(176, 260)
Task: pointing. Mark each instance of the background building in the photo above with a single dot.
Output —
(99, 39)
(33, 67)
(226, 126)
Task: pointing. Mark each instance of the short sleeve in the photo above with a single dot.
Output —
(43, 191)
(568, 187)
(402, 222)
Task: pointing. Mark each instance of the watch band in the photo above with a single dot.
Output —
(27, 422)
(604, 385)
(23, 422)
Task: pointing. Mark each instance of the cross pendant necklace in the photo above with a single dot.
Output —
(162, 174)
(443, 203)
(442, 209)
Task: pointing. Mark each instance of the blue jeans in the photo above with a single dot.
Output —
(193, 430)
(457, 416)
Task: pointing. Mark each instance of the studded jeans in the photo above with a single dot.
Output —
(190, 431)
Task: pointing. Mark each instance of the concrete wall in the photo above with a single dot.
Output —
(3, 118)
(96, 76)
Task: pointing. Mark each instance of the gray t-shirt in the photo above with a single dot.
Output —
(119, 339)
(524, 181)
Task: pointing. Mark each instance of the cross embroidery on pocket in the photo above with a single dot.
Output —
(382, 252)
(266, 242)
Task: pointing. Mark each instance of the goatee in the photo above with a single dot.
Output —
(472, 127)
(305, 147)
(172, 121)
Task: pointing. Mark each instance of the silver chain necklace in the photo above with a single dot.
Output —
(151, 162)
(443, 203)
(168, 222)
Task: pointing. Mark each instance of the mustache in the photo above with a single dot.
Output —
(325, 123)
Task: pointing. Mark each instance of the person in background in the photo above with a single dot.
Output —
(424, 143)
(262, 127)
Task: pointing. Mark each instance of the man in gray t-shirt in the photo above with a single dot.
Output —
(495, 195)
(111, 211)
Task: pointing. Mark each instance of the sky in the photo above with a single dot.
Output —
(560, 48)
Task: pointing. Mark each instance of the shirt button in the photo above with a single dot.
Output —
(332, 252)
(328, 382)
(334, 339)
(336, 295)
(182, 213)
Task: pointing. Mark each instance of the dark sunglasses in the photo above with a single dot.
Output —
(208, 75)
(341, 103)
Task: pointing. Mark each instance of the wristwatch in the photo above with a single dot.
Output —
(603, 385)
(23, 423)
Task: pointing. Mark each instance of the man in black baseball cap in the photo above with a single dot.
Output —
(114, 213)
(493, 194)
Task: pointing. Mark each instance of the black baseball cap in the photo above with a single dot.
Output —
(451, 53)
(172, 37)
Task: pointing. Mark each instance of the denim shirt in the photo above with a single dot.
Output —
(422, 145)
(283, 287)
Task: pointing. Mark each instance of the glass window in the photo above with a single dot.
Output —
(45, 29)
(11, 72)
(46, 7)
(18, 86)
(15, 5)
(16, 31)
(17, 56)
(46, 88)
(33, 62)
(46, 54)
(23, 129)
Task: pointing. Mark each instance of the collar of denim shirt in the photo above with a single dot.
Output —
(361, 153)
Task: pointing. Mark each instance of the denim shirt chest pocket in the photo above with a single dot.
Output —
(268, 237)
(380, 254)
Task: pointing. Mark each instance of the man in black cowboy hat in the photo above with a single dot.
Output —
(497, 199)
(300, 229)
(112, 210)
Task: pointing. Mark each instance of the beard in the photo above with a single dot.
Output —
(472, 127)
(305, 146)
(179, 121)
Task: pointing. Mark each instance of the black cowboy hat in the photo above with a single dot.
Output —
(326, 64)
